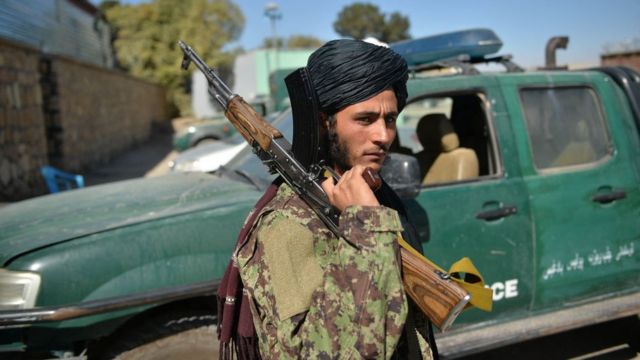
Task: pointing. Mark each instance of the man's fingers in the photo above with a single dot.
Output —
(353, 176)
(328, 186)
(358, 170)
(351, 189)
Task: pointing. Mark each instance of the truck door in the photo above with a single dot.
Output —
(583, 192)
(485, 215)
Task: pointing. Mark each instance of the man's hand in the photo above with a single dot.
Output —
(351, 189)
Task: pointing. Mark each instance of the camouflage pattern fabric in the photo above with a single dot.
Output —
(316, 296)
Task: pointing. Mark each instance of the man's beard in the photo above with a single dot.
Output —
(338, 151)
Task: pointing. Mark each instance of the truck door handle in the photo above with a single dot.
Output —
(609, 196)
(496, 214)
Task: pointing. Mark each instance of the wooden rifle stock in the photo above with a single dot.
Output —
(432, 289)
(250, 124)
(440, 298)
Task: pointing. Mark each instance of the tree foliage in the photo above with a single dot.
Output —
(396, 28)
(303, 42)
(270, 42)
(146, 36)
(361, 20)
(293, 42)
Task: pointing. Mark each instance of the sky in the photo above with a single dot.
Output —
(523, 26)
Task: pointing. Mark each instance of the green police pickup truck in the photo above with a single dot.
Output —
(534, 175)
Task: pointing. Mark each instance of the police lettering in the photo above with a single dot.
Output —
(505, 290)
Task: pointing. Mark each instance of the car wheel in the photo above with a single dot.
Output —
(178, 335)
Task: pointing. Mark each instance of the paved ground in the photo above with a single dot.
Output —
(148, 159)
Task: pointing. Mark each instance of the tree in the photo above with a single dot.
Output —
(270, 42)
(303, 42)
(146, 37)
(293, 42)
(108, 4)
(360, 20)
(396, 28)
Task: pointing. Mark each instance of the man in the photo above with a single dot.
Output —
(313, 294)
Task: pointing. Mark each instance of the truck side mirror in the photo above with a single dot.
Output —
(402, 173)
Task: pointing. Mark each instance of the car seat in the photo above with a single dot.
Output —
(442, 159)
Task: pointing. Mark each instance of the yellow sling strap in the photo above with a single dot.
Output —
(472, 281)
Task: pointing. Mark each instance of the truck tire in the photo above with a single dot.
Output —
(176, 335)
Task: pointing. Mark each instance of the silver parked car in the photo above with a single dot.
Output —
(209, 157)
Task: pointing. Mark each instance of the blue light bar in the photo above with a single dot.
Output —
(474, 43)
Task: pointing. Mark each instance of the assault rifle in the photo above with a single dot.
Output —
(431, 288)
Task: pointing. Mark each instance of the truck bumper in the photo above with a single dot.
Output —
(17, 318)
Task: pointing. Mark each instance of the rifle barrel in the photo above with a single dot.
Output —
(221, 92)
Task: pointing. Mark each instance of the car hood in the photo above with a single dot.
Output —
(208, 162)
(202, 150)
(50, 219)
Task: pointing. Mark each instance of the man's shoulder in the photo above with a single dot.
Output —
(289, 205)
(287, 208)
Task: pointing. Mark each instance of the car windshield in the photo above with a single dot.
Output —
(247, 164)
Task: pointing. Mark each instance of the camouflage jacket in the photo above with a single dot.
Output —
(316, 296)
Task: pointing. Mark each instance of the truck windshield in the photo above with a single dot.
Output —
(247, 163)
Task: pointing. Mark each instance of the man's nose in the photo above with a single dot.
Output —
(382, 134)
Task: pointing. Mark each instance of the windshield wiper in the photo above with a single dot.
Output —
(223, 170)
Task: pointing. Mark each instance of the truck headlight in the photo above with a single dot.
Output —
(18, 290)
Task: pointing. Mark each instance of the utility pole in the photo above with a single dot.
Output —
(272, 11)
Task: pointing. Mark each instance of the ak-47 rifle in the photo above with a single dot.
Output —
(431, 288)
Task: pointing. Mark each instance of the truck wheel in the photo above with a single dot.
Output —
(179, 335)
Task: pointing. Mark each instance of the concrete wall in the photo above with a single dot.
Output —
(102, 112)
(58, 111)
(251, 70)
(23, 146)
(629, 58)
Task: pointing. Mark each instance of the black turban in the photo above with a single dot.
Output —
(345, 72)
